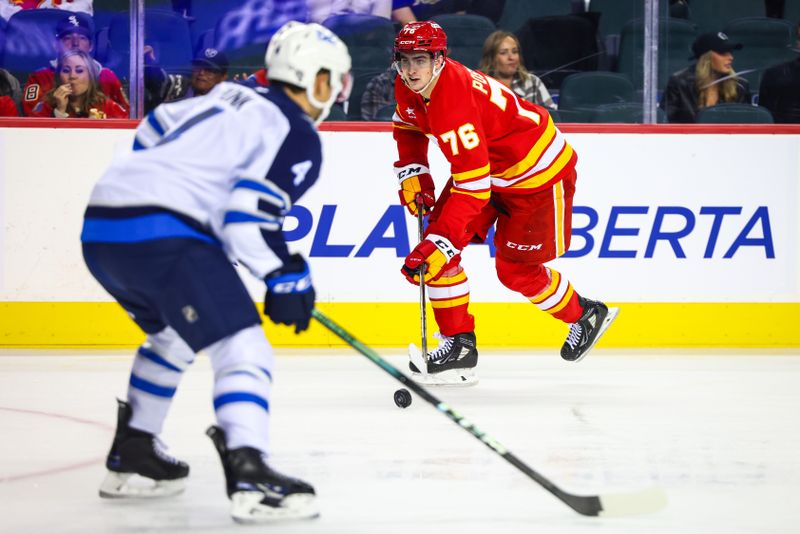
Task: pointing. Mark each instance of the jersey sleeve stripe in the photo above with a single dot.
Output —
(405, 126)
(200, 117)
(271, 192)
(154, 122)
(237, 217)
(149, 133)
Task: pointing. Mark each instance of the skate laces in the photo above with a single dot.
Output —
(160, 448)
(574, 336)
(445, 344)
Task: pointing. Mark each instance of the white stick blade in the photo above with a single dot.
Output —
(417, 359)
(635, 503)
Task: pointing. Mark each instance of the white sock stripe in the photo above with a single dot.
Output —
(243, 381)
(458, 290)
(556, 297)
(155, 373)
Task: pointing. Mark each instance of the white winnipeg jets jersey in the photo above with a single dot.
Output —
(229, 164)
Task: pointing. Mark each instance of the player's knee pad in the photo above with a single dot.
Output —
(525, 278)
(169, 345)
(247, 348)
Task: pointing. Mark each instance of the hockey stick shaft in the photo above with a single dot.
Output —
(422, 310)
(585, 505)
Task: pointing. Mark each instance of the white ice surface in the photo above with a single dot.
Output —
(719, 431)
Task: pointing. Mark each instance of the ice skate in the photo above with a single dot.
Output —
(137, 464)
(452, 363)
(583, 335)
(259, 494)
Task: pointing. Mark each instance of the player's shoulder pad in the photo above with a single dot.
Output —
(297, 164)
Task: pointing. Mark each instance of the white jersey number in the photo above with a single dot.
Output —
(300, 170)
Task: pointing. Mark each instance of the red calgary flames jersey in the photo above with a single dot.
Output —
(43, 81)
(493, 140)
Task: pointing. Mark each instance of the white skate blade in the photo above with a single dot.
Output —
(415, 355)
(247, 508)
(133, 486)
(610, 316)
(451, 377)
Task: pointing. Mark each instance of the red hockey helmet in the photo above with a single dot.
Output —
(423, 36)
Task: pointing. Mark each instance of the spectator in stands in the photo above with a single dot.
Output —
(9, 7)
(78, 93)
(780, 89)
(378, 94)
(159, 85)
(209, 68)
(709, 81)
(502, 60)
(73, 33)
(9, 94)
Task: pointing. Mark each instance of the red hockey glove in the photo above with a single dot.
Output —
(416, 183)
(435, 252)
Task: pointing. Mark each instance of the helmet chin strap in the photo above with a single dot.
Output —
(436, 73)
(324, 106)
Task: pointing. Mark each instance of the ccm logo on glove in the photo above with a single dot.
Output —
(435, 251)
(416, 186)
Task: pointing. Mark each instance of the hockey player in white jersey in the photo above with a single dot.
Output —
(209, 181)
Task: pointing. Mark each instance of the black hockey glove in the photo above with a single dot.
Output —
(290, 294)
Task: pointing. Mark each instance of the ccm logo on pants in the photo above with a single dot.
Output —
(517, 246)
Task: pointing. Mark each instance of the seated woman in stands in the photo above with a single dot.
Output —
(502, 60)
(77, 93)
(708, 82)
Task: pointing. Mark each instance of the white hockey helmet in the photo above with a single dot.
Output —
(298, 51)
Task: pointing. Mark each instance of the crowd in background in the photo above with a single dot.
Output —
(87, 73)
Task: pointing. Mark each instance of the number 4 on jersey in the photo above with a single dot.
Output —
(300, 170)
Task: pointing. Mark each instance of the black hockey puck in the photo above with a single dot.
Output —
(402, 398)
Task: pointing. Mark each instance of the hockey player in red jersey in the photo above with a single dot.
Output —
(511, 166)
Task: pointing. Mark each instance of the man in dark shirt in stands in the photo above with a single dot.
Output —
(780, 89)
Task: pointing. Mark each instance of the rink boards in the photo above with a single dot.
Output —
(694, 233)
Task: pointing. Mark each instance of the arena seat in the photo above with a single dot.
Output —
(730, 113)
(465, 36)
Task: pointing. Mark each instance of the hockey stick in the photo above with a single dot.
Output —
(421, 363)
(621, 504)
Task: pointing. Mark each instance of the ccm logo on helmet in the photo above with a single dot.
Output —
(517, 246)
